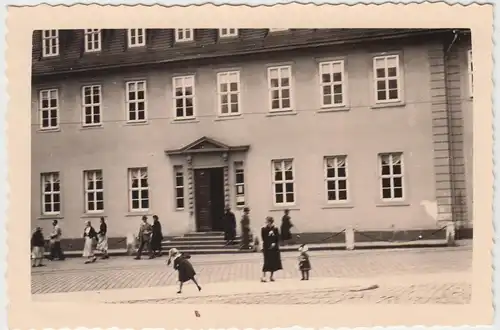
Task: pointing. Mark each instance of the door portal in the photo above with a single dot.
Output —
(209, 198)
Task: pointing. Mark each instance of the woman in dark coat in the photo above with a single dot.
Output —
(245, 229)
(183, 267)
(286, 226)
(271, 249)
(229, 226)
(157, 237)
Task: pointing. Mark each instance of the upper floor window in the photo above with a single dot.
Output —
(92, 40)
(94, 191)
(226, 33)
(136, 37)
(91, 105)
(49, 109)
(387, 79)
(280, 88)
(336, 178)
(138, 189)
(51, 193)
(136, 101)
(50, 43)
(332, 83)
(470, 71)
(391, 176)
(184, 35)
(184, 97)
(283, 182)
(228, 88)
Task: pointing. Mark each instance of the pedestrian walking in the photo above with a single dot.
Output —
(183, 266)
(145, 231)
(37, 248)
(229, 225)
(286, 226)
(245, 229)
(271, 249)
(156, 237)
(55, 242)
(304, 262)
(102, 236)
(90, 238)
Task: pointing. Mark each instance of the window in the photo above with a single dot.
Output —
(49, 109)
(391, 176)
(138, 189)
(51, 193)
(50, 43)
(227, 33)
(239, 184)
(183, 35)
(136, 37)
(179, 188)
(94, 191)
(136, 101)
(387, 80)
(470, 70)
(279, 79)
(184, 97)
(92, 40)
(91, 103)
(278, 29)
(228, 84)
(332, 83)
(336, 178)
(283, 182)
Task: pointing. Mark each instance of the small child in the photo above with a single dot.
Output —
(183, 267)
(304, 263)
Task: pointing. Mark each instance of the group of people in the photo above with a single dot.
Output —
(38, 245)
(150, 237)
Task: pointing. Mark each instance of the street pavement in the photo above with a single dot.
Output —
(441, 275)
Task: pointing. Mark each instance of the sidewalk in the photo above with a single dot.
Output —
(252, 287)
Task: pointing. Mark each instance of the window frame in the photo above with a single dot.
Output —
(183, 39)
(228, 93)
(228, 33)
(52, 193)
(179, 172)
(95, 174)
(239, 169)
(138, 34)
(92, 36)
(391, 176)
(48, 109)
(327, 179)
(279, 88)
(399, 78)
(470, 73)
(139, 171)
(284, 182)
(343, 83)
(50, 41)
(137, 101)
(175, 97)
(92, 105)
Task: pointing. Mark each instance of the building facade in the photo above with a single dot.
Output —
(363, 128)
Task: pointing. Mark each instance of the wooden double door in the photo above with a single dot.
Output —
(209, 199)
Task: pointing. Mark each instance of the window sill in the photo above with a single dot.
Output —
(49, 130)
(228, 117)
(333, 109)
(397, 104)
(136, 123)
(392, 204)
(50, 217)
(138, 213)
(338, 206)
(92, 215)
(180, 210)
(283, 208)
(281, 113)
(89, 127)
(185, 121)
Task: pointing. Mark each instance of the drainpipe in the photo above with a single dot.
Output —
(450, 127)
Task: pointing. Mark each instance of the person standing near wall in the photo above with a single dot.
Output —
(55, 242)
(145, 231)
(157, 237)
(245, 229)
(102, 236)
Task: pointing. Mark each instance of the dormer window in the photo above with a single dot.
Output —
(183, 35)
(50, 43)
(92, 40)
(228, 33)
(136, 37)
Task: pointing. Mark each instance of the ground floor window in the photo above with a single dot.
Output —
(138, 189)
(283, 182)
(239, 184)
(336, 178)
(51, 193)
(179, 187)
(94, 191)
(391, 176)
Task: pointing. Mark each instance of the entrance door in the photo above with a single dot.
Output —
(209, 198)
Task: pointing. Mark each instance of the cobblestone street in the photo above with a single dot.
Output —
(124, 272)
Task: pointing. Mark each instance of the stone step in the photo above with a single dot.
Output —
(198, 246)
(200, 238)
(184, 241)
(207, 233)
(214, 251)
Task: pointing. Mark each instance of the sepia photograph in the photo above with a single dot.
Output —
(256, 165)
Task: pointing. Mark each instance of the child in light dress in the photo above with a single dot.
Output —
(183, 267)
(304, 263)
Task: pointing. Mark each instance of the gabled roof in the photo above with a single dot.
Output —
(206, 145)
